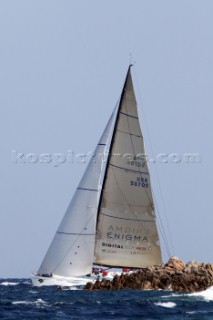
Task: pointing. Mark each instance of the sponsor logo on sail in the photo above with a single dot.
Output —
(112, 245)
(126, 234)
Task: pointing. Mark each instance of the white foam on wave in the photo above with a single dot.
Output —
(7, 283)
(38, 302)
(166, 304)
(172, 295)
(73, 288)
(32, 291)
(26, 282)
(22, 302)
(207, 295)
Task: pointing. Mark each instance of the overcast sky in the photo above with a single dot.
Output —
(62, 67)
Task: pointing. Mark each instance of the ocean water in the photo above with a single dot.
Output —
(20, 300)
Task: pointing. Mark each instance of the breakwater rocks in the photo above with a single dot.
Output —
(174, 275)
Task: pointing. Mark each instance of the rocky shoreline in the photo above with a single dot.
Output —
(174, 275)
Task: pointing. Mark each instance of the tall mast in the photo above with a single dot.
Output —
(113, 138)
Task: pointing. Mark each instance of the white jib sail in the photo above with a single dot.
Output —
(71, 252)
(126, 228)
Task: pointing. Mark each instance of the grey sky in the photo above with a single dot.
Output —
(62, 67)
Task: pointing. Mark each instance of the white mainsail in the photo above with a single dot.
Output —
(126, 228)
(71, 252)
(110, 220)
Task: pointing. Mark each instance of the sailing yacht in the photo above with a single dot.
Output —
(110, 222)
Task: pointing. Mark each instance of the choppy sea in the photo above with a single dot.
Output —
(20, 300)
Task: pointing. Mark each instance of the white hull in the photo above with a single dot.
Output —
(39, 281)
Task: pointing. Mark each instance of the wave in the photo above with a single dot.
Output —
(207, 295)
(166, 304)
(73, 288)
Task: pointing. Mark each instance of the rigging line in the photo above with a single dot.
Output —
(163, 235)
(162, 225)
(146, 191)
(158, 180)
(164, 249)
(152, 193)
(164, 246)
(161, 228)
